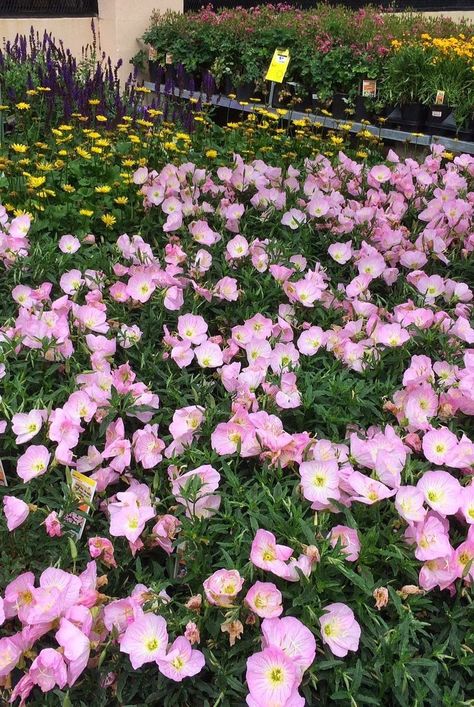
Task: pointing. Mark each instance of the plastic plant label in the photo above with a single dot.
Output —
(168, 58)
(439, 100)
(278, 66)
(3, 476)
(83, 488)
(369, 88)
(152, 54)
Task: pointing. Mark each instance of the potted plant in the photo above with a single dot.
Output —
(333, 78)
(449, 94)
(405, 73)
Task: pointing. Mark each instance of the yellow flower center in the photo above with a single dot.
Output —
(152, 644)
(434, 496)
(276, 676)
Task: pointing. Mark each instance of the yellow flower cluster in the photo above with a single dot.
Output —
(460, 46)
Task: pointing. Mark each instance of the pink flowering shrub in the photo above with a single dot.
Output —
(270, 383)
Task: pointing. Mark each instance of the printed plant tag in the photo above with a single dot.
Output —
(439, 100)
(369, 88)
(168, 58)
(83, 488)
(278, 66)
(3, 477)
(152, 54)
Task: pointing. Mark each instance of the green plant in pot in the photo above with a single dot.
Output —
(365, 93)
(335, 80)
(449, 94)
(405, 73)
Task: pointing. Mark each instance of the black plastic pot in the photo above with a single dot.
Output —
(413, 116)
(154, 70)
(340, 105)
(291, 96)
(363, 110)
(243, 92)
(437, 115)
(318, 104)
(392, 114)
(449, 127)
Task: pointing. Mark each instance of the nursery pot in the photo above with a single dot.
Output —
(339, 106)
(392, 114)
(437, 115)
(289, 95)
(450, 128)
(243, 91)
(363, 110)
(413, 116)
(154, 70)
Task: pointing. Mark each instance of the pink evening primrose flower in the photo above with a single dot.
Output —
(320, 482)
(368, 490)
(432, 540)
(198, 485)
(34, 462)
(442, 491)
(267, 555)
(439, 445)
(294, 218)
(145, 640)
(209, 355)
(467, 503)
(76, 647)
(271, 677)
(348, 540)
(292, 637)
(16, 511)
(128, 516)
(339, 629)
(53, 525)
(69, 244)
(26, 425)
(48, 670)
(181, 661)
(222, 587)
(409, 504)
(192, 328)
(265, 600)
(10, 654)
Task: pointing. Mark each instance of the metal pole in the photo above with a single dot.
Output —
(272, 93)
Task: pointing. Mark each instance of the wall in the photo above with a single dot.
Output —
(455, 14)
(119, 26)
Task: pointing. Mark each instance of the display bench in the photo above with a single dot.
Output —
(386, 133)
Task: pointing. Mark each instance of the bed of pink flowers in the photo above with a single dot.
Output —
(270, 384)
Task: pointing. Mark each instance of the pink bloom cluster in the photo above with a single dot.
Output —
(106, 425)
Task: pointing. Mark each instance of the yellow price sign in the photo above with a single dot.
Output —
(278, 66)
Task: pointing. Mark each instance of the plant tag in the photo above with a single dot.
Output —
(3, 477)
(152, 54)
(439, 100)
(168, 58)
(369, 88)
(83, 488)
(436, 113)
(278, 66)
